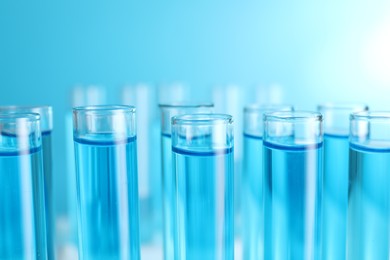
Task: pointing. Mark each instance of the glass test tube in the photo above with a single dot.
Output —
(335, 181)
(46, 126)
(168, 178)
(144, 98)
(22, 195)
(292, 155)
(202, 147)
(106, 171)
(368, 231)
(174, 92)
(230, 99)
(252, 180)
(66, 201)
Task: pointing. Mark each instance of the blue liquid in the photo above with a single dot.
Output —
(368, 204)
(335, 197)
(22, 206)
(49, 195)
(169, 199)
(292, 201)
(205, 204)
(107, 198)
(252, 202)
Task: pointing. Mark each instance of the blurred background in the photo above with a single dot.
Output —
(302, 53)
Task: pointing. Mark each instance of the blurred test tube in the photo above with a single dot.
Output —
(173, 93)
(144, 98)
(268, 94)
(230, 100)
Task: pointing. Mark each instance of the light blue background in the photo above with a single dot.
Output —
(316, 50)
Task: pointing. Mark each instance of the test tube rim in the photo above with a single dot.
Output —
(263, 108)
(339, 106)
(17, 120)
(104, 109)
(31, 117)
(45, 111)
(185, 105)
(202, 119)
(371, 115)
(296, 115)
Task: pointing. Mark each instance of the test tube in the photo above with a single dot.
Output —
(144, 98)
(271, 93)
(230, 99)
(107, 187)
(46, 126)
(335, 181)
(292, 155)
(22, 195)
(66, 201)
(174, 92)
(202, 147)
(168, 178)
(252, 179)
(368, 231)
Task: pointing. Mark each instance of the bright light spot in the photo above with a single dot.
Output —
(376, 53)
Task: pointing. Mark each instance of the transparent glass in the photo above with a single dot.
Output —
(144, 98)
(88, 95)
(174, 92)
(335, 189)
(202, 147)
(107, 186)
(336, 116)
(230, 99)
(168, 179)
(368, 230)
(292, 155)
(22, 190)
(252, 179)
(253, 117)
(46, 126)
(65, 184)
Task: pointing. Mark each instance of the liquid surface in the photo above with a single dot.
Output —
(335, 196)
(205, 204)
(22, 206)
(368, 204)
(292, 201)
(108, 199)
(252, 199)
